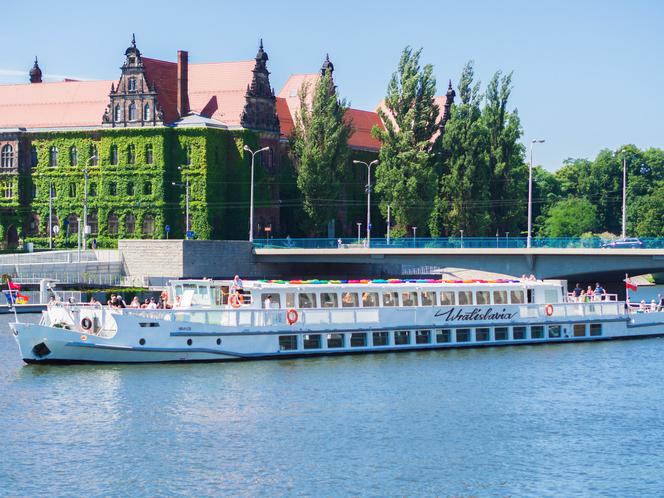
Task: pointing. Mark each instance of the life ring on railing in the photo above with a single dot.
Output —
(292, 316)
(236, 300)
(548, 309)
(86, 323)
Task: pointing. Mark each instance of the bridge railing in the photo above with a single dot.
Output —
(501, 242)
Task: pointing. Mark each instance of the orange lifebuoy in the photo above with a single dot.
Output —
(548, 309)
(291, 316)
(236, 300)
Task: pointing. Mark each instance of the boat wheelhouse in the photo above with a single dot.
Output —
(210, 321)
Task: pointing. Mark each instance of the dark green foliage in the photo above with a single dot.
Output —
(570, 218)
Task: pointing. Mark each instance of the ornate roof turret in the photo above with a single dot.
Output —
(326, 65)
(260, 104)
(35, 73)
(261, 55)
(132, 50)
(449, 100)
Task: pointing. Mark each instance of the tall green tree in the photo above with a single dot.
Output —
(405, 175)
(509, 173)
(570, 218)
(320, 147)
(464, 193)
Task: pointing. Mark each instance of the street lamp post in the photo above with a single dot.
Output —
(251, 195)
(624, 199)
(368, 165)
(85, 201)
(50, 215)
(461, 238)
(530, 192)
(186, 204)
(389, 221)
(414, 237)
(359, 228)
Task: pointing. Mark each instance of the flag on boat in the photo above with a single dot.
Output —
(630, 285)
(21, 298)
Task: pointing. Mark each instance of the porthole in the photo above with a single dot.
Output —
(189, 342)
(142, 342)
(218, 342)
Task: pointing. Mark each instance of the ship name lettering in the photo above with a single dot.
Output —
(475, 315)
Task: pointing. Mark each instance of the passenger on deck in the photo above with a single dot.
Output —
(152, 305)
(267, 303)
(599, 292)
(642, 306)
(577, 292)
(237, 285)
(135, 303)
(653, 306)
(93, 300)
(660, 302)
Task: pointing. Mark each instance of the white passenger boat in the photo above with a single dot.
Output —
(308, 318)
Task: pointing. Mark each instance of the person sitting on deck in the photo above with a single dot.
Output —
(642, 306)
(237, 285)
(135, 303)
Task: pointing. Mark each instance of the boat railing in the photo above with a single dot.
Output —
(71, 315)
(571, 298)
(321, 317)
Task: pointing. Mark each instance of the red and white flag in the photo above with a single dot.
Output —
(630, 285)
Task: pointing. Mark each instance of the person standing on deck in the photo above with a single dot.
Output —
(577, 292)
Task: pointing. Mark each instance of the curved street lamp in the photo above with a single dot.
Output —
(251, 197)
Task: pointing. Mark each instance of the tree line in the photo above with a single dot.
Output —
(464, 169)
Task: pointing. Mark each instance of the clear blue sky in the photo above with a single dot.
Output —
(587, 74)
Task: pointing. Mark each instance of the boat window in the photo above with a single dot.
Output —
(178, 290)
(518, 333)
(409, 299)
(482, 334)
(358, 340)
(349, 300)
(443, 335)
(290, 300)
(306, 300)
(370, 299)
(500, 297)
(465, 297)
(482, 297)
(500, 333)
(381, 338)
(335, 341)
(447, 298)
(390, 298)
(531, 296)
(579, 329)
(537, 332)
(217, 296)
(463, 335)
(287, 342)
(554, 331)
(595, 329)
(517, 297)
(422, 337)
(312, 341)
(329, 300)
(402, 337)
(429, 298)
(274, 300)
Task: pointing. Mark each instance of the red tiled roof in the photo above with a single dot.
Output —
(363, 122)
(164, 75)
(285, 119)
(53, 105)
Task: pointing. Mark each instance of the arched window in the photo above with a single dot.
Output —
(114, 155)
(73, 156)
(148, 224)
(148, 154)
(32, 227)
(146, 113)
(112, 224)
(132, 112)
(94, 156)
(93, 223)
(53, 156)
(118, 113)
(130, 223)
(34, 158)
(130, 188)
(72, 224)
(131, 154)
(147, 188)
(187, 155)
(7, 156)
(132, 85)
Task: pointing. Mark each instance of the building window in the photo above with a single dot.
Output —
(33, 224)
(147, 188)
(94, 157)
(33, 191)
(72, 224)
(112, 188)
(131, 154)
(130, 223)
(7, 156)
(148, 154)
(34, 158)
(73, 156)
(53, 157)
(7, 190)
(132, 112)
(130, 188)
(114, 155)
(93, 223)
(187, 155)
(112, 224)
(132, 85)
(72, 190)
(118, 113)
(147, 116)
(92, 189)
(148, 224)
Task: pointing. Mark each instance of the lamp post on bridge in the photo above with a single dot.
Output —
(85, 201)
(530, 191)
(368, 165)
(251, 195)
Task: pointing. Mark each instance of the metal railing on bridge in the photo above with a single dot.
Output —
(501, 242)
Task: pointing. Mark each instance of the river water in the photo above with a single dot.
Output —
(574, 420)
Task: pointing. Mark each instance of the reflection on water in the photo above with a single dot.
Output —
(583, 419)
